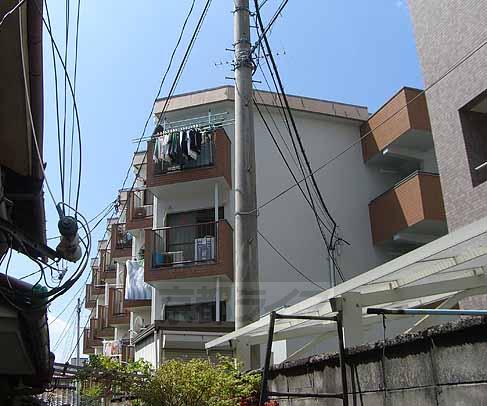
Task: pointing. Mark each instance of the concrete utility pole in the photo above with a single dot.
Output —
(247, 301)
(78, 316)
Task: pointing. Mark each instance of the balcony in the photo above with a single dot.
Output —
(102, 326)
(214, 161)
(121, 242)
(189, 251)
(92, 292)
(409, 214)
(400, 133)
(108, 271)
(127, 352)
(89, 342)
(117, 315)
(139, 210)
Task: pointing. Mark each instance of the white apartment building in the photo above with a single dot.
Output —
(176, 234)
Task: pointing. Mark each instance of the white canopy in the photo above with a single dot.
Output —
(444, 271)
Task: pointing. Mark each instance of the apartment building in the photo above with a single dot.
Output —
(172, 247)
(457, 102)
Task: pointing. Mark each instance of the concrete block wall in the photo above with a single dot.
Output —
(442, 366)
(446, 31)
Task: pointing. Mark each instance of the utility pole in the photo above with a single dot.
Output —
(247, 301)
(78, 315)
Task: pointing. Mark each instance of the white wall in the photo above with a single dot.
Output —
(347, 185)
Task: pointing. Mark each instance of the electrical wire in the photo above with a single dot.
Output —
(288, 262)
(11, 11)
(70, 85)
(29, 109)
(308, 200)
(160, 89)
(65, 87)
(293, 123)
(371, 131)
(58, 125)
(72, 112)
(269, 25)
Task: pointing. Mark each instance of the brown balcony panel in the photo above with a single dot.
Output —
(139, 215)
(171, 254)
(87, 348)
(121, 246)
(103, 329)
(90, 301)
(117, 315)
(415, 200)
(219, 166)
(128, 352)
(201, 326)
(135, 304)
(393, 119)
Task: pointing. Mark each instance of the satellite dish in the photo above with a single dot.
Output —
(138, 324)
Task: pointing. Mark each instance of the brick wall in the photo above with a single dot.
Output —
(445, 32)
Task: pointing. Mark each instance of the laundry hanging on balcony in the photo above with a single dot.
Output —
(185, 148)
(112, 348)
(135, 287)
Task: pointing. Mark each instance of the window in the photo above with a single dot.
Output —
(473, 118)
(195, 312)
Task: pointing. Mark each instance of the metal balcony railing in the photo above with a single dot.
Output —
(185, 245)
(123, 239)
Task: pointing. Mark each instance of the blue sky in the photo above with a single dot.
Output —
(351, 51)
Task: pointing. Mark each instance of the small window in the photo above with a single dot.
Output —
(474, 125)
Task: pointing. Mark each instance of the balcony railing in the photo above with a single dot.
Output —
(121, 241)
(87, 342)
(205, 158)
(117, 314)
(140, 210)
(213, 161)
(103, 328)
(182, 245)
(189, 250)
(91, 293)
(414, 205)
(128, 351)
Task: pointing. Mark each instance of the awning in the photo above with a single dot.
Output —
(442, 273)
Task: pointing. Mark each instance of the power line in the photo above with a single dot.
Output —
(291, 117)
(65, 87)
(10, 12)
(359, 140)
(72, 112)
(288, 262)
(160, 89)
(70, 85)
(58, 125)
(269, 25)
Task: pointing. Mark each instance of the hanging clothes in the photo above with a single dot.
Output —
(190, 141)
(135, 287)
(184, 145)
(155, 153)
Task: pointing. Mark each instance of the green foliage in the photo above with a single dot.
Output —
(104, 376)
(91, 395)
(199, 383)
(196, 382)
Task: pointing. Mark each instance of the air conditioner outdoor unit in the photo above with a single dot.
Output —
(204, 248)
